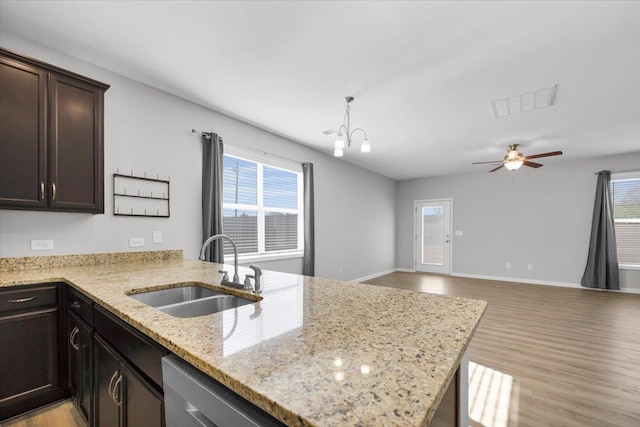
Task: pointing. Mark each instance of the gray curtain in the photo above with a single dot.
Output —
(308, 260)
(602, 262)
(212, 151)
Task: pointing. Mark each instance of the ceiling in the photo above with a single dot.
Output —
(422, 73)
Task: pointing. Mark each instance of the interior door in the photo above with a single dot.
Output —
(433, 236)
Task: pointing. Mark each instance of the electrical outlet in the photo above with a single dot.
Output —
(340, 270)
(508, 266)
(135, 242)
(529, 266)
(42, 245)
(157, 236)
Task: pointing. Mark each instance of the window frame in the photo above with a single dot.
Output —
(264, 159)
(623, 176)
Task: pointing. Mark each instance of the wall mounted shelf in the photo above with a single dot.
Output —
(140, 196)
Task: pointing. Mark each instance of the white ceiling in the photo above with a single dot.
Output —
(423, 73)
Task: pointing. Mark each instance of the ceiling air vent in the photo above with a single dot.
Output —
(525, 102)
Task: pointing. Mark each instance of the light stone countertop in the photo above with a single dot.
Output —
(311, 352)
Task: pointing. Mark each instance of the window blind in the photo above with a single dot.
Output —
(625, 194)
(261, 207)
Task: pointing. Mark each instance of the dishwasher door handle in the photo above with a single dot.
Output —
(201, 418)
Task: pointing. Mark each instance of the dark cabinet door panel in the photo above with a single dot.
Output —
(72, 352)
(106, 376)
(143, 404)
(80, 362)
(28, 360)
(76, 160)
(23, 139)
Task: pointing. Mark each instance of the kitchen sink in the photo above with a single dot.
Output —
(204, 306)
(190, 301)
(174, 295)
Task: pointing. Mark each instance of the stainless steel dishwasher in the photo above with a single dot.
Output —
(192, 398)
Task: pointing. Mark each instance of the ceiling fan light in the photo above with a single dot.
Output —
(340, 140)
(365, 147)
(338, 152)
(513, 164)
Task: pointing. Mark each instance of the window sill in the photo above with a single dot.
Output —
(628, 267)
(244, 259)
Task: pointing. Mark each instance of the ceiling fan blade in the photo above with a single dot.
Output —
(499, 167)
(482, 163)
(537, 156)
(531, 164)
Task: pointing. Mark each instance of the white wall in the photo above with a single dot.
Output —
(540, 217)
(147, 130)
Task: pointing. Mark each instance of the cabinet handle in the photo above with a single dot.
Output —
(19, 300)
(117, 398)
(42, 191)
(53, 188)
(113, 377)
(72, 336)
(75, 304)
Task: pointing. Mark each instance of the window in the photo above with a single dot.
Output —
(625, 193)
(262, 209)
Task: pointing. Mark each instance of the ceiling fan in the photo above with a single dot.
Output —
(514, 159)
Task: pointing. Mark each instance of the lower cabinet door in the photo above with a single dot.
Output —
(85, 366)
(28, 361)
(80, 358)
(72, 352)
(107, 407)
(144, 406)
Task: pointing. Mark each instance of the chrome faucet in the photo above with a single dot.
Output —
(225, 279)
(257, 274)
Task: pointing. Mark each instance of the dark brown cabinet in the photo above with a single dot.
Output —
(80, 358)
(123, 397)
(54, 340)
(32, 362)
(51, 137)
(79, 343)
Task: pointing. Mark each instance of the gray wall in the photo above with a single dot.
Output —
(540, 217)
(147, 130)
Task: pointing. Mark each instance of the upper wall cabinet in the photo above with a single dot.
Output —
(51, 137)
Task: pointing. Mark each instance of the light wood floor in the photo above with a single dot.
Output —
(544, 355)
(60, 414)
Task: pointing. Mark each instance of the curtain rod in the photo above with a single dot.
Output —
(208, 136)
(205, 134)
(629, 171)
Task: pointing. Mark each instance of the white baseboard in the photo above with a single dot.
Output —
(406, 270)
(373, 276)
(518, 280)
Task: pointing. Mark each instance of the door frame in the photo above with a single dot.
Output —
(415, 231)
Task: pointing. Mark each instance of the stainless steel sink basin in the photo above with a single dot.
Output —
(204, 306)
(190, 301)
(174, 295)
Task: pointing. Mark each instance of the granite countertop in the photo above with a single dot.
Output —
(311, 351)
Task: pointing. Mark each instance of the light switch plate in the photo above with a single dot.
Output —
(135, 242)
(42, 245)
(157, 236)
(459, 233)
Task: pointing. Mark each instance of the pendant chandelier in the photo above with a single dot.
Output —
(344, 134)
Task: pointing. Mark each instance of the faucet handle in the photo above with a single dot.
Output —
(247, 281)
(225, 277)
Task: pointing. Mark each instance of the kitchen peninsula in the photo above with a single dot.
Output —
(310, 351)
